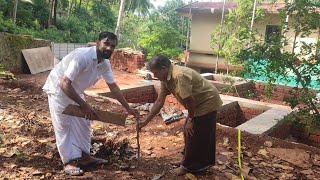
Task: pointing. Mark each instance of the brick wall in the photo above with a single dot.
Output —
(142, 94)
(127, 60)
(279, 91)
(306, 136)
(229, 115)
(249, 113)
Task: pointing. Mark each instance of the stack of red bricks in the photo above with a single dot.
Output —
(127, 60)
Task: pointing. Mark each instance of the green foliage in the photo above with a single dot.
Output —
(228, 40)
(164, 32)
(161, 39)
(278, 60)
(7, 25)
(130, 32)
(81, 26)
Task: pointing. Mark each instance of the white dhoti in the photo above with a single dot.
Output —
(72, 133)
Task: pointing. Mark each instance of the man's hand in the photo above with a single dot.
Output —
(134, 112)
(188, 128)
(88, 111)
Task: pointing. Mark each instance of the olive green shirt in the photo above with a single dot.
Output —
(183, 82)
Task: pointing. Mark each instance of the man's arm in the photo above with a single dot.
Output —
(189, 102)
(115, 90)
(66, 87)
(154, 110)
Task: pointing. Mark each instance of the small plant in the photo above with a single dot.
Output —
(20, 156)
(232, 86)
(251, 93)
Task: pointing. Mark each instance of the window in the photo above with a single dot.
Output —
(271, 32)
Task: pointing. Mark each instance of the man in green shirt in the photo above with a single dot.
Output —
(202, 101)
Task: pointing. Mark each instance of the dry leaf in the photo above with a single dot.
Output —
(297, 157)
(283, 167)
(307, 172)
(263, 152)
(231, 176)
(227, 153)
(268, 144)
(226, 141)
(157, 176)
(190, 176)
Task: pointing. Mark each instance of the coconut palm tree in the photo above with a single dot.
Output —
(139, 6)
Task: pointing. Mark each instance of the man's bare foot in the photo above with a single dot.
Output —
(179, 171)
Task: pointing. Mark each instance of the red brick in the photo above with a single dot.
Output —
(314, 138)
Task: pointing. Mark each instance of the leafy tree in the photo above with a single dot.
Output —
(130, 32)
(235, 34)
(276, 60)
(161, 39)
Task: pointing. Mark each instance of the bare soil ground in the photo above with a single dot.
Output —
(27, 143)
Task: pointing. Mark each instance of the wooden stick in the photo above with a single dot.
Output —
(138, 141)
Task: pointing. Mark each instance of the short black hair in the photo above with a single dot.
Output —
(159, 61)
(108, 35)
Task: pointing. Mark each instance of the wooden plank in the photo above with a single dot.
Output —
(38, 59)
(104, 116)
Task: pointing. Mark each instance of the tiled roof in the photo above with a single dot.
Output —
(213, 6)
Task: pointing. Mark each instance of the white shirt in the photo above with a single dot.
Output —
(82, 68)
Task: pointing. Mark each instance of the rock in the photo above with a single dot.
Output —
(268, 144)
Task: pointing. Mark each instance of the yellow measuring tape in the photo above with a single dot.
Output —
(239, 152)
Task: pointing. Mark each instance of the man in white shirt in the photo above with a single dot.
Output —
(65, 85)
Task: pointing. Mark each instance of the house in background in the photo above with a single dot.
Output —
(206, 15)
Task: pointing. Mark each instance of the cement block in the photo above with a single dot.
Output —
(265, 122)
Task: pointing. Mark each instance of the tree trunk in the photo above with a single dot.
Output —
(122, 4)
(79, 5)
(70, 7)
(55, 12)
(15, 7)
(50, 20)
(222, 21)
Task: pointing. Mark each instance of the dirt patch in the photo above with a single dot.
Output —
(28, 148)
